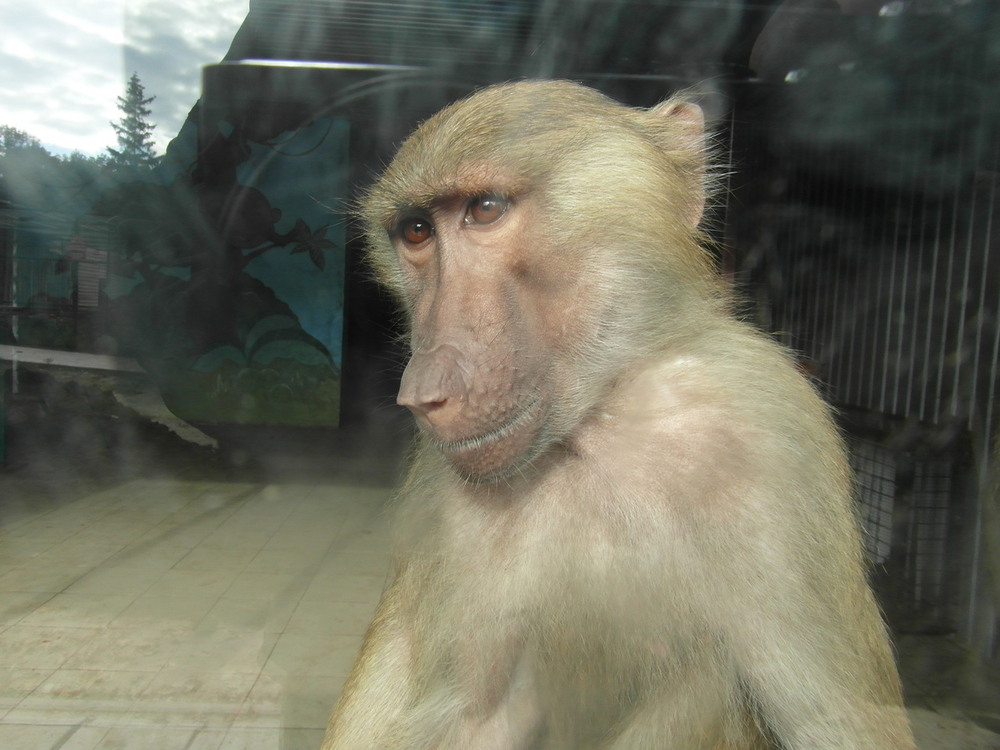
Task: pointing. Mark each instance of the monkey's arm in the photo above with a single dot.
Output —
(391, 702)
(814, 657)
(378, 687)
(510, 722)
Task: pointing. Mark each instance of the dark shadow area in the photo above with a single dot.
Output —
(71, 432)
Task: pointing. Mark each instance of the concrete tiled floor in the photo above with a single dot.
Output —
(183, 615)
(187, 615)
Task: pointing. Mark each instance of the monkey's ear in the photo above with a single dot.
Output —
(681, 125)
(685, 120)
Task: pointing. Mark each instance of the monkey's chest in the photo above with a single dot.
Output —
(590, 675)
(588, 588)
(590, 612)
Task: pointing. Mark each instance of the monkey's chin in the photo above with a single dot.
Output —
(499, 454)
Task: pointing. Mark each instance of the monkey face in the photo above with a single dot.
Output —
(513, 225)
(482, 374)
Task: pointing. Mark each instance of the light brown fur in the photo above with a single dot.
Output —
(653, 546)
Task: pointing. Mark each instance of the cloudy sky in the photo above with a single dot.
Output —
(63, 63)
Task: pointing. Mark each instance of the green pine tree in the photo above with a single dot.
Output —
(134, 131)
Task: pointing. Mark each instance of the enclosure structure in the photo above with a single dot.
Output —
(864, 226)
(857, 220)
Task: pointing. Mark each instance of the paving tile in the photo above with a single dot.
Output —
(290, 701)
(40, 577)
(222, 651)
(214, 556)
(321, 618)
(283, 561)
(37, 647)
(115, 579)
(244, 738)
(78, 610)
(267, 585)
(140, 649)
(16, 683)
(15, 606)
(32, 736)
(191, 583)
(312, 656)
(272, 739)
(345, 587)
(193, 698)
(95, 684)
(84, 738)
(145, 738)
(156, 552)
(158, 612)
(248, 615)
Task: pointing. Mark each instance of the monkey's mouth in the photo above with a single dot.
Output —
(497, 453)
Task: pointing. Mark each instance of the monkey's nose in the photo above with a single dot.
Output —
(419, 406)
(433, 388)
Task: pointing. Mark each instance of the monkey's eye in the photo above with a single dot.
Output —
(485, 209)
(415, 230)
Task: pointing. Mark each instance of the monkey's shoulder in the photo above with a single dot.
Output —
(731, 380)
(714, 417)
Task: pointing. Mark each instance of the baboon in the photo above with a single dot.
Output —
(628, 519)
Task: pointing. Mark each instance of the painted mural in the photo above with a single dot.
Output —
(226, 272)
